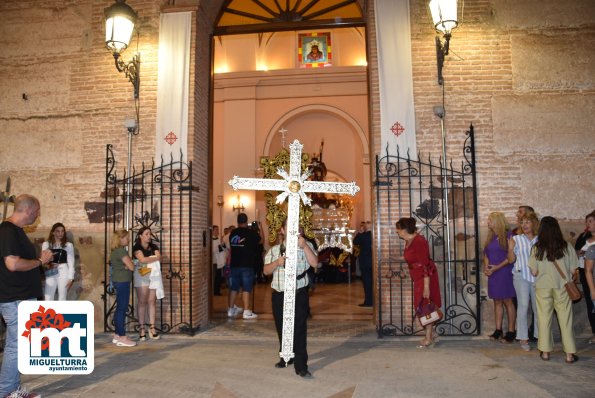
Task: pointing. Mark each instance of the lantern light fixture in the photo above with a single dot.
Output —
(120, 21)
(445, 18)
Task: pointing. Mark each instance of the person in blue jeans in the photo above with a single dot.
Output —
(122, 268)
(20, 279)
(244, 250)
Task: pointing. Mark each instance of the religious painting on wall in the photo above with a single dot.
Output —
(314, 49)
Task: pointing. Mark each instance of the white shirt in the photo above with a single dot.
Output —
(218, 257)
(69, 248)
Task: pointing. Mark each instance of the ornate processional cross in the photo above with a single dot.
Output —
(293, 185)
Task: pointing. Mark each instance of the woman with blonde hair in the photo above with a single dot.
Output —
(122, 267)
(519, 250)
(498, 270)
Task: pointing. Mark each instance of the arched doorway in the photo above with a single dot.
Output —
(256, 94)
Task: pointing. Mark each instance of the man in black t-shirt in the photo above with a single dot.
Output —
(20, 280)
(243, 242)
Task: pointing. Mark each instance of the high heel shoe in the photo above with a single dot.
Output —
(497, 335)
(153, 334)
(142, 335)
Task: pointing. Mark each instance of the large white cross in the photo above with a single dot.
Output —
(293, 185)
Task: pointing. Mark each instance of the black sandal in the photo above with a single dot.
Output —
(573, 359)
(153, 333)
(497, 335)
(142, 335)
(544, 355)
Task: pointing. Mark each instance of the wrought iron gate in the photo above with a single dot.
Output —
(418, 188)
(160, 197)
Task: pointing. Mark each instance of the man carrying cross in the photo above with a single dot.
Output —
(275, 264)
(293, 186)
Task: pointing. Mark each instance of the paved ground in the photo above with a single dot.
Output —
(235, 359)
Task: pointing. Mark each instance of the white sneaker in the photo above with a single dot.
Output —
(234, 311)
(525, 346)
(124, 341)
(115, 339)
(22, 392)
(249, 315)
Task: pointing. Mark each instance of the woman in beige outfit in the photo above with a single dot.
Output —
(549, 287)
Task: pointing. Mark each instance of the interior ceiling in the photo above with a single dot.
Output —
(251, 16)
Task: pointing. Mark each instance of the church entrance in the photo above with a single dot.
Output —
(268, 91)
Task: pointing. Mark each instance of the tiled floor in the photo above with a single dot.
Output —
(328, 302)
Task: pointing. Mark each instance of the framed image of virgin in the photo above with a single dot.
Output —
(314, 50)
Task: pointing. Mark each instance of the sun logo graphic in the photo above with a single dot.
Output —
(56, 337)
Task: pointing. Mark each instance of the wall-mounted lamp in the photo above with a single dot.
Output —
(445, 19)
(120, 20)
(238, 205)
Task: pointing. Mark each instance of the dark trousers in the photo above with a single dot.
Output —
(367, 281)
(300, 326)
(217, 280)
(587, 294)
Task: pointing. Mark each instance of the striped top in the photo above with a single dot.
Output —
(522, 251)
(302, 265)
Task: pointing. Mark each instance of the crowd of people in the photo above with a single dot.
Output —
(528, 267)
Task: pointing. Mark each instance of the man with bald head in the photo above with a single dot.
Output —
(20, 279)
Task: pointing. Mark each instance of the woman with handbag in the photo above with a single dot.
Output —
(59, 273)
(145, 253)
(552, 257)
(499, 272)
(423, 273)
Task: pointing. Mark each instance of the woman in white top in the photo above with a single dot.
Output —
(519, 249)
(59, 273)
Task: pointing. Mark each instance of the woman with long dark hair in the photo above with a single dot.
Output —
(550, 252)
(146, 253)
(59, 273)
(422, 271)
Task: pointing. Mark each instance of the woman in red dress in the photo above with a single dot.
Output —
(422, 271)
